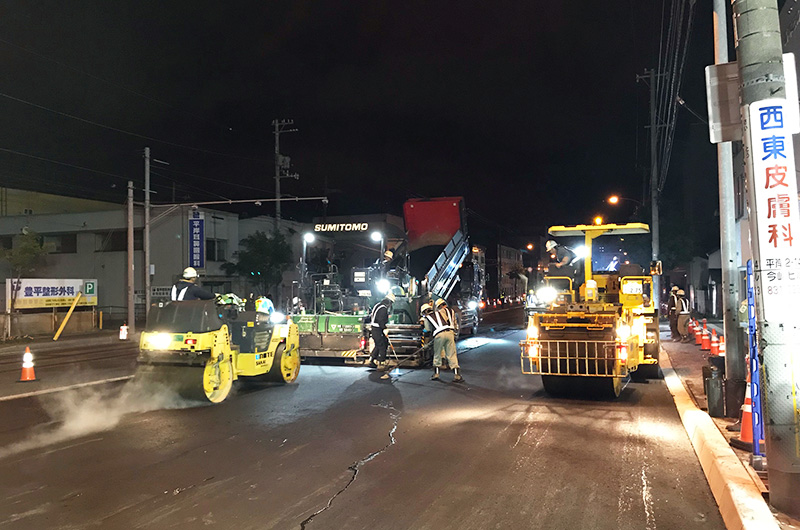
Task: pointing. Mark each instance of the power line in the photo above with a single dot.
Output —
(111, 83)
(19, 153)
(130, 133)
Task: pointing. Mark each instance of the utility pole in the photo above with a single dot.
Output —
(282, 164)
(131, 307)
(735, 365)
(146, 229)
(651, 75)
(772, 193)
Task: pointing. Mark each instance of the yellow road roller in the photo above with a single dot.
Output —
(199, 348)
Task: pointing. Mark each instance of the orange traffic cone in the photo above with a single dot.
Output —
(705, 342)
(714, 343)
(745, 439)
(28, 374)
(698, 335)
(691, 327)
(722, 345)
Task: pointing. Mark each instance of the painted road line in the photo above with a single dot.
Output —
(63, 388)
(739, 499)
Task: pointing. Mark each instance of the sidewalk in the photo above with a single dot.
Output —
(736, 486)
(44, 344)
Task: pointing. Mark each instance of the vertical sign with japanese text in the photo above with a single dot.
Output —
(197, 240)
(774, 204)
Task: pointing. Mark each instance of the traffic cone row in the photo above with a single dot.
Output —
(28, 374)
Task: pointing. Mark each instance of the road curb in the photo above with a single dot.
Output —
(739, 499)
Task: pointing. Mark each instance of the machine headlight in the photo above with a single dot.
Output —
(472, 304)
(383, 285)
(160, 341)
(532, 332)
(623, 332)
(547, 294)
(277, 317)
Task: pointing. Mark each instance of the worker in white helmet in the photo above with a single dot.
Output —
(187, 289)
(443, 325)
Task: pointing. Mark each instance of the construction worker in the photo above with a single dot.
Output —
(683, 315)
(565, 260)
(187, 289)
(443, 326)
(379, 317)
(672, 313)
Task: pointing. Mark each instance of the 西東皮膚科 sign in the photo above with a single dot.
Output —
(36, 293)
(774, 194)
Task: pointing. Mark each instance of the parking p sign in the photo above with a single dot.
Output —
(89, 288)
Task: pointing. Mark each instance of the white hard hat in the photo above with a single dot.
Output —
(674, 288)
(189, 273)
(388, 254)
(425, 308)
(550, 245)
(440, 302)
(389, 296)
(681, 292)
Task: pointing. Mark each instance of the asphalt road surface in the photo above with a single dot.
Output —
(342, 448)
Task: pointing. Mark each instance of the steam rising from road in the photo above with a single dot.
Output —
(89, 410)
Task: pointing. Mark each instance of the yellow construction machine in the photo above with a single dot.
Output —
(199, 348)
(588, 340)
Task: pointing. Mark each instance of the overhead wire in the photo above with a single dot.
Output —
(131, 133)
(111, 83)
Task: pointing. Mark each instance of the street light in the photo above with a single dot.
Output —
(614, 199)
(598, 220)
(530, 246)
(377, 236)
(308, 238)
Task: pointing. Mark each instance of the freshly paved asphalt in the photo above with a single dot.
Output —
(342, 448)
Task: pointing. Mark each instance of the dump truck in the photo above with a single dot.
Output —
(588, 339)
(199, 348)
(429, 245)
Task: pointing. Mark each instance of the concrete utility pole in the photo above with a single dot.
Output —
(147, 228)
(772, 193)
(282, 164)
(651, 75)
(735, 365)
(131, 301)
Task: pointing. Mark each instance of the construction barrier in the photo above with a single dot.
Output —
(28, 374)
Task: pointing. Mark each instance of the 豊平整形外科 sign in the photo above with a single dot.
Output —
(36, 293)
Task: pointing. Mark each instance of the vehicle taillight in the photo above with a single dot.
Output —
(482, 304)
(190, 342)
(622, 352)
(363, 343)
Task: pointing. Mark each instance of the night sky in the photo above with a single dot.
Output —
(530, 110)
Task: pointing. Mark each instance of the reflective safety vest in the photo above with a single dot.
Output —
(684, 306)
(441, 322)
(374, 315)
(178, 295)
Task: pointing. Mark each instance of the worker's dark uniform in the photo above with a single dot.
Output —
(379, 317)
(184, 290)
(672, 312)
(572, 269)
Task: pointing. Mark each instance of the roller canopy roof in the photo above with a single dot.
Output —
(610, 229)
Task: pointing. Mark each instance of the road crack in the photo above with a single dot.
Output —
(356, 466)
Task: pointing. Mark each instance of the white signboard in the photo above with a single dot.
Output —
(34, 293)
(773, 198)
